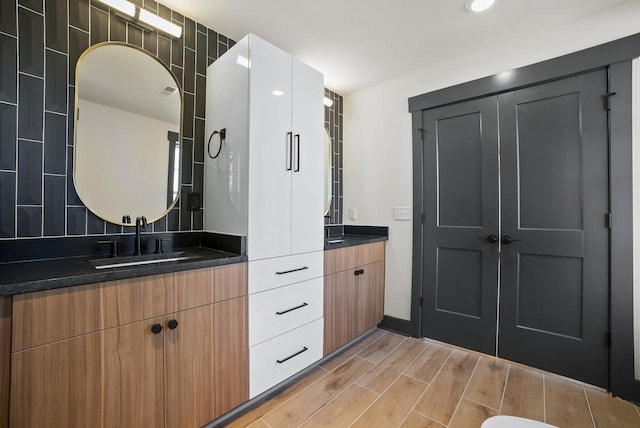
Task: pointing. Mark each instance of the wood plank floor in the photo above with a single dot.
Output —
(388, 380)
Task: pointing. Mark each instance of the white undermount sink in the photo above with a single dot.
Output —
(146, 259)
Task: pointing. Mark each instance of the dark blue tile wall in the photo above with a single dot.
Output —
(333, 125)
(40, 43)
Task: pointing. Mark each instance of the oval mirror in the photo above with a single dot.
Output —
(328, 194)
(127, 142)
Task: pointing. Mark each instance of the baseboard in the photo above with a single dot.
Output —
(398, 325)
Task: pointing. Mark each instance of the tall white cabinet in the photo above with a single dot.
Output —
(266, 182)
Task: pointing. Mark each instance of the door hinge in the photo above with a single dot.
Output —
(421, 301)
(608, 220)
(422, 218)
(608, 100)
(608, 334)
(421, 132)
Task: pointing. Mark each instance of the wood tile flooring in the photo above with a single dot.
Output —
(388, 380)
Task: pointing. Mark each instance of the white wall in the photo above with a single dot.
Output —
(377, 149)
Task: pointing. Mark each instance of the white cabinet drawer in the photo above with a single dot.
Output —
(277, 311)
(277, 359)
(277, 272)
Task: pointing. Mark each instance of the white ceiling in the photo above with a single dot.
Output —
(359, 43)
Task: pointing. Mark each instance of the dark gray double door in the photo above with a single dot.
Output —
(515, 240)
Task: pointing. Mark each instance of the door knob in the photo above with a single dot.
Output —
(172, 324)
(506, 240)
(156, 328)
(492, 239)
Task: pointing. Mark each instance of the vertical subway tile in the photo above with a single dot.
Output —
(212, 50)
(29, 173)
(71, 116)
(30, 108)
(201, 96)
(187, 161)
(198, 220)
(150, 42)
(198, 142)
(117, 28)
(8, 136)
(79, 14)
(173, 220)
(160, 225)
(54, 205)
(100, 5)
(112, 228)
(189, 33)
(134, 35)
(55, 143)
(78, 43)
(164, 50)
(7, 204)
(99, 26)
(72, 195)
(177, 73)
(56, 82)
(151, 5)
(201, 28)
(56, 24)
(223, 39)
(8, 17)
(177, 17)
(95, 225)
(137, 2)
(76, 220)
(222, 48)
(198, 178)
(210, 61)
(164, 12)
(177, 49)
(189, 83)
(31, 42)
(35, 5)
(187, 115)
(29, 221)
(8, 68)
(185, 214)
(201, 53)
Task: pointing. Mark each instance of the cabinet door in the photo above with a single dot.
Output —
(307, 205)
(369, 296)
(189, 367)
(339, 310)
(231, 361)
(270, 152)
(110, 378)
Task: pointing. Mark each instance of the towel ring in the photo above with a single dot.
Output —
(222, 133)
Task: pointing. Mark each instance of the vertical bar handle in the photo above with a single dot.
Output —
(289, 150)
(297, 138)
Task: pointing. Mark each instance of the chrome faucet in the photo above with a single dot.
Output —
(141, 223)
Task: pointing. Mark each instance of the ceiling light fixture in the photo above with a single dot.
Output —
(328, 102)
(142, 17)
(478, 5)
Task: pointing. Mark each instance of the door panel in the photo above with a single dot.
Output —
(554, 181)
(461, 210)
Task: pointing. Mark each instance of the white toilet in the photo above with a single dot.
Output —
(503, 421)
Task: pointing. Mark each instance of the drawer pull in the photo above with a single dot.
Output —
(292, 270)
(156, 328)
(293, 355)
(359, 272)
(292, 309)
(173, 324)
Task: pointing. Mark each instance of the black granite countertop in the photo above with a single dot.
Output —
(347, 236)
(37, 275)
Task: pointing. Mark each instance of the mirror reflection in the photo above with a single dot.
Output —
(127, 142)
(328, 182)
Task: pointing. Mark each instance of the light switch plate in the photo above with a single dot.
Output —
(402, 213)
(352, 214)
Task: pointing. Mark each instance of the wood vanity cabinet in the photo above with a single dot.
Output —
(353, 292)
(166, 350)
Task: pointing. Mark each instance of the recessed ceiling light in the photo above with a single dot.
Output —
(278, 93)
(478, 5)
